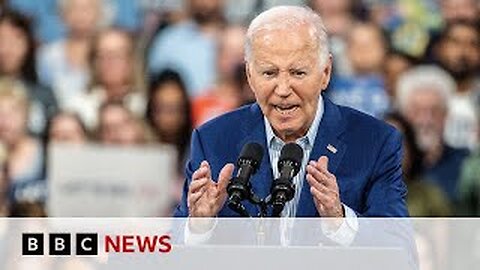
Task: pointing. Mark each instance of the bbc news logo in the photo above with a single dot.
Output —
(86, 244)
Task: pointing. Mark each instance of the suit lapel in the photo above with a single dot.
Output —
(327, 143)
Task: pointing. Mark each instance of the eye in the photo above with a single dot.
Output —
(268, 73)
(299, 73)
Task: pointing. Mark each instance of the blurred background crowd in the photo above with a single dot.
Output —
(121, 72)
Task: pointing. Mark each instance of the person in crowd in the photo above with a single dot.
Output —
(190, 47)
(169, 113)
(115, 77)
(63, 65)
(453, 10)
(424, 199)
(119, 126)
(224, 96)
(395, 64)
(423, 94)
(67, 127)
(17, 62)
(339, 19)
(469, 187)
(24, 152)
(49, 26)
(365, 89)
(458, 52)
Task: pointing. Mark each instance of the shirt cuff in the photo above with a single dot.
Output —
(347, 231)
(192, 238)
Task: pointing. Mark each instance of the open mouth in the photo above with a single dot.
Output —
(286, 109)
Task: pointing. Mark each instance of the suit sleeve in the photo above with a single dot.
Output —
(196, 157)
(387, 193)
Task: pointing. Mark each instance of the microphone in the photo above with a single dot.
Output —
(283, 190)
(239, 187)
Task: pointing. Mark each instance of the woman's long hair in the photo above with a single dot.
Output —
(22, 23)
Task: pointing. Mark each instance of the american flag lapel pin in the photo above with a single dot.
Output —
(332, 148)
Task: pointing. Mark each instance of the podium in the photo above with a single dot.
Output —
(272, 257)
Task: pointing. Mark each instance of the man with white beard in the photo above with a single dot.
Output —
(423, 98)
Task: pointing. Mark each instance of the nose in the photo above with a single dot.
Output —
(283, 88)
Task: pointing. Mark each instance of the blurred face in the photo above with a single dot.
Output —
(231, 51)
(13, 119)
(366, 49)
(427, 113)
(81, 16)
(286, 78)
(65, 128)
(326, 7)
(168, 109)
(460, 53)
(459, 9)
(13, 48)
(113, 59)
(204, 11)
(118, 127)
(395, 65)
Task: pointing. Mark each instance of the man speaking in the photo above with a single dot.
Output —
(351, 163)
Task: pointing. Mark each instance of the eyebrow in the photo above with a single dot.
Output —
(301, 65)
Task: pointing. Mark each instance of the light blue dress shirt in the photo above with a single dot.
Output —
(345, 234)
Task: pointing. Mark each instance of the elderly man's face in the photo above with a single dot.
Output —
(286, 77)
(427, 113)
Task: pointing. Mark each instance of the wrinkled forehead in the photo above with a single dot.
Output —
(284, 41)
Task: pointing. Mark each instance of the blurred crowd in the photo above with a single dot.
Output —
(121, 72)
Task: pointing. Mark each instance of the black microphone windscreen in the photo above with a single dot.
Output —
(292, 152)
(252, 151)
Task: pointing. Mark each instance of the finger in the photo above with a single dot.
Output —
(317, 185)
(323, 162)
(322, 198)
(206, 165)
(201, 172)
(194, 197)
(331, 193)
(315, 172)
(225, 176)
(329, 179)
(322, 165)
(198, 184)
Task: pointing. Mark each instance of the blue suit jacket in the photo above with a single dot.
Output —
(367, 163)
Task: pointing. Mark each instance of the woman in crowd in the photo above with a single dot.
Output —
(115, 77)
(67, 127)
(169, 114)
(63, 65)
(24, 152)
(17, 62)
(119, 126)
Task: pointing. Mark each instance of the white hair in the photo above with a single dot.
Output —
(289, 17)
(424, 78)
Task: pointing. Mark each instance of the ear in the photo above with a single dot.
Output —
(327, 72)
(249, 76)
